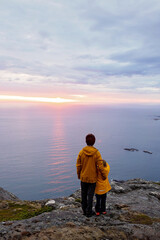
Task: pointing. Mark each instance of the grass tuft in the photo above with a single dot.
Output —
(19, 211)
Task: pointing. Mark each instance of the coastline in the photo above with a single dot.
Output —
(133, 212)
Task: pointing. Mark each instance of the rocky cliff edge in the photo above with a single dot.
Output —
(133, 213)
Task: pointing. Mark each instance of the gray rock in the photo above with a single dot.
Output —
(126, 201)
(131, 149)
(155, 194)
(51, 203)
(118, 187)
(5, 195)
(146, 151)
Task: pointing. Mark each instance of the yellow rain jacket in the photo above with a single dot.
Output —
(103, 186)
(89, 159)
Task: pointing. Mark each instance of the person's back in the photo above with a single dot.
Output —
(87, 164)
(89, 158)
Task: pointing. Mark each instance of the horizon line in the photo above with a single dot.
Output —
(37, 99)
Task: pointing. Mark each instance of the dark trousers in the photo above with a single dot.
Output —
(100, 203)
(87, 193)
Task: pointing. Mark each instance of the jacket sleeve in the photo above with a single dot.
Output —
(78, 165)
(107, 169)
(100, 166)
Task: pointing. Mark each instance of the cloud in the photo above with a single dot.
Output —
(112, 45)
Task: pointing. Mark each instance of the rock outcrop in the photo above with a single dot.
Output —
(131, 149)
(136, 150)
(145, 151)
(157, 118)
(5, 195)
(133, 213)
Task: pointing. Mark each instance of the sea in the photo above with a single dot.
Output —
(39, 145)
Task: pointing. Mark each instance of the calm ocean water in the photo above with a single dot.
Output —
(39, 145)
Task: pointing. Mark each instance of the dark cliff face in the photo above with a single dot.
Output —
(133, 213)
(5, 195)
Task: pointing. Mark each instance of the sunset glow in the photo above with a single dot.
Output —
(36, 99)
(76, 55)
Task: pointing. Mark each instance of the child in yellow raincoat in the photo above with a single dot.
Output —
(102, 187)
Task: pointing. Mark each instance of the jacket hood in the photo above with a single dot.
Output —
(89, 150)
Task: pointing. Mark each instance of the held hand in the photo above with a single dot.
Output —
(104, 177)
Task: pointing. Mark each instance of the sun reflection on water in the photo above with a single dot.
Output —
(59, 166)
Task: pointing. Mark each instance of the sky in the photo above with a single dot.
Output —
(87, 51)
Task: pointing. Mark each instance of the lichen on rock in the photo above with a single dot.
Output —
(133, 213)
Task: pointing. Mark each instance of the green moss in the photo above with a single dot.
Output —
(78, 200)
(137, 218)
(141, 218)
(37, 212)
(158, 183)
(156, 220)
(16, 211)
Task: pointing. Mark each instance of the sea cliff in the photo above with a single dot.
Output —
(133, 212)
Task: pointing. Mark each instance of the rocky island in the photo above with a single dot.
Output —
(157, 118)
(133, 213)
(136, 150)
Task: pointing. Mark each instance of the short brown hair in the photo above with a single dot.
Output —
(90, 139)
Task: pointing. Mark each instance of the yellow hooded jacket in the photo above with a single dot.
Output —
(89, 158)
(103, 186)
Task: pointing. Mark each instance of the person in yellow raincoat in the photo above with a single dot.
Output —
(102, 187)
(89, 160)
